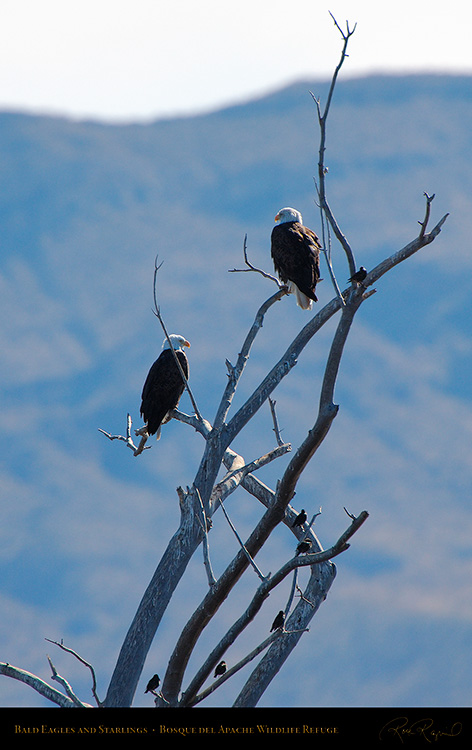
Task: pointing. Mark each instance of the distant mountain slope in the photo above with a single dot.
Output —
(84, 209)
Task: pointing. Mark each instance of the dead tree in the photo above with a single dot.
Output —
(206, 495)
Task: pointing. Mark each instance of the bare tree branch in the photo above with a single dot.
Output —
(275, 422)
(205, 525)
(128, 439)
(424, 223)
(251, 267)
(41, 687)
(322, 170)
(237, 371)
(82, 661)
(62, 681)
(158, 315)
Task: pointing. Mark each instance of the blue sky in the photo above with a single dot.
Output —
(139, 59)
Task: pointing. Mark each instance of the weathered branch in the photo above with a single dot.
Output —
(82, 661)
(322, 170)
(205, 525)
(275, 422)
(251, 267)
(158, 315)
(62, 681)
(406, 252)
(235, 372)
(233, 479)
(128, 439)
(41, 687)
(423, 224)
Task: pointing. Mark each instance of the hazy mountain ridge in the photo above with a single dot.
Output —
(84, 209)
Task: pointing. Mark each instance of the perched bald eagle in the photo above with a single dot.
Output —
(164, 385)
(295, 250)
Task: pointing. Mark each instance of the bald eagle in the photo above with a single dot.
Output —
(295, 250)
(164, 385)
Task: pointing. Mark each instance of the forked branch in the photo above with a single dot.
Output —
(322, 170)
(158, 315)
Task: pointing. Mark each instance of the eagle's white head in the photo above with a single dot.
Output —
(177, 342)
(288, 214)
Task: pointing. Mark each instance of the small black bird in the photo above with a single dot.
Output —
(278, 622)
(153, 684)
(220, 669)
(303, 546)
(359, 276)
(300, 519)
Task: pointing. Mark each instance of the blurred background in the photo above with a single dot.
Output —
(134, 129)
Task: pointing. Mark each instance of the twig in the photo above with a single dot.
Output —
(137, 450)
(322, 118)
(423, 224)
(314, 517)
(326, 249)
(251, 267)
(293, 588)
(158, 315)
(275, 422)
(406, 252)
(62, 681)
(82, 661)
(236, 372)
(205, 524)
(241, 543)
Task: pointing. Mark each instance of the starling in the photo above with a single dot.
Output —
(303, 546)
(278, 622)
(300, 519)
(359, 276)
(153, 684)
(220, 669)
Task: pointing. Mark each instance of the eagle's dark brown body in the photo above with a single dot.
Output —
(295, 251)
(162, 389)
